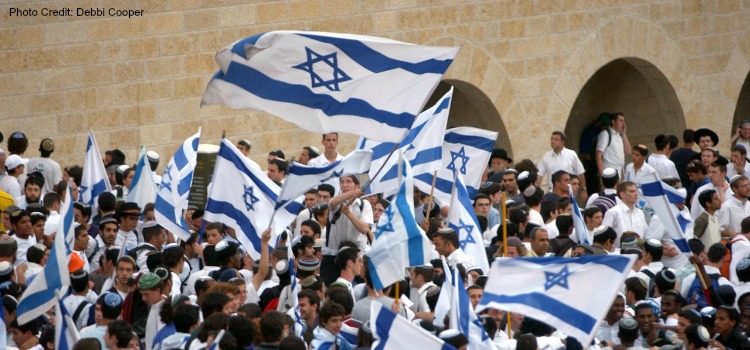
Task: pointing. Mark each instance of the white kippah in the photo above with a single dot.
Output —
(609, 173)
(151, 155)
(523, 175)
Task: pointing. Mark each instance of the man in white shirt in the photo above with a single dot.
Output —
(638, 168)
(150, 286)
(349, 261)
(49, 168)
(16, 166)
(717, 181)
(625, 216)
(446, 244)
(740, 249)
(611, 145)
(659, 161)
(128, 214)
(742, 135)
(23, 233)
(560, 158)
(330, 155)
(739, 164)
(736, 207)
(707, 227)
(277, 170)
(424, 293)
(32, 192)
(52, 203)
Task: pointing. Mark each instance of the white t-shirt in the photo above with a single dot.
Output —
(613, 155)
(664, 167)
(553, 162)
(49, 168)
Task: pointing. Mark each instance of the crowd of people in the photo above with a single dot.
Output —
(134, 285)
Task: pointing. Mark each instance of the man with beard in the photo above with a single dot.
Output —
(32, 192)
(108, 227)
(609, 326)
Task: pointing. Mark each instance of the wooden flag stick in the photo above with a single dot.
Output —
(429, 199)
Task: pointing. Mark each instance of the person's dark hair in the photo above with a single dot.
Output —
(635, 285)
(448, 235)
(706, 197)
(87, 344)
(83, 208)
(642, 150)
(716, 252)
(280, 163)
(34, 254)
(294, 342)
(346, 255)
(340, 295)
(32, 326)
(490, 189)
(535, 198)
(610, 182)
(687, 136)
(591, 211)
(250, 310)
(695, 166)
(311, 152)
(329, 310)
(313, 225)
(184, 317)
(535, 327)
(558, 175)
(696, 246)
(50, 199)
(608, 235)
(17, 143)
(656, 251)
(214, 323)
(692, 334)
(122, 331)
(518, 216)
(561, 134)
(116, 156)
(79, 284)
(243, 328)
(674, 141)
(47, 337)
(213, 303)
(272, 326)
(327, 188)
(722, 168)
(75, 172)
(627, 335)
(172, 256)
(547, 209)
(107, 202)
(563, 223)
(526, 342)
(311, 296)
(661, 142)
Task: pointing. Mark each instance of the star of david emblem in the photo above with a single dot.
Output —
(455, 156)
(167, 178)
(327, 65)
(333, 175)
(388, 226)
(249, 198)
(81, 190)
(468, 238)
(556, 279)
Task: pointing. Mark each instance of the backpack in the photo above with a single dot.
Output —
(605, 201)
(133, 253)
(697, 296)
(652, 281)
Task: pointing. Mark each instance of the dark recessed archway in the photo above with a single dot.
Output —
(636, 88)
(472, 107)
(742, 111)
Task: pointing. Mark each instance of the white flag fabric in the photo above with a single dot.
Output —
(467, 321)
(661, 198)
(444, 306)
(330, 82)
(66, 333)
(142, 189)
(94, 180)
(462, 219)
(558, 291)
(300, 177)
(393, 332)
(40, 296)
(582, 234)
(172, 196)
(244, 199)
(465, 150)
(399, 242)
(423, 148)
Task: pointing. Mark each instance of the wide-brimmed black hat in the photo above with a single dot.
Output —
(706, 132)
(502, 154)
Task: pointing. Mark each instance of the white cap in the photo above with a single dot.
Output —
(14, 161)
(152, 156)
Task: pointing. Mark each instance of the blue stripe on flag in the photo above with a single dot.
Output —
(240, 216)
(374, 276)
(682, 245)
(267, 88)
(239, 47)
(375, 61)
(655, 189)
(416, 255)
(382, 327)
(618, 263)
(424, 156)
(463, 306)
(443, 185)
(469, 140)
(304, 170)
(230, 156)
(545, 303)
(36, 300)
(381, 150)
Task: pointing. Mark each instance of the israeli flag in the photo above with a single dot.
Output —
(66, 333)
(392, 332)
(558, 291)
(172, 196)
(582, 233)
(662, 199)
(462, 219)
(466, 150)
(467, 320)
(40, 296)
(423, 148)
(94, 180)
(300, 177)
(217, 340)
(399, 242)
(329, 82)
(293, 312)
(142, 189)
(244, 199)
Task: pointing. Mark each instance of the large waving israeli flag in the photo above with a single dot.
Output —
(466, 150)
(399, 242)
(582, 234)
(392, 332)
(662, 198)
(300, 177)
(40, 296)
(94, 180)
(142, 189)
(423, 148)
(558, 291)
(172, 196)
(462, 219)
(468, 322)
(66, 333)
(244, 199)
(329, 82)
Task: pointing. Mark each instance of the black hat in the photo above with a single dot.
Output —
(706, 132)
(500, 153)
(129, 209)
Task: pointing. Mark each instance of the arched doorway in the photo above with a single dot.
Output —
(472, 107)
(742, 111)
(634, 87)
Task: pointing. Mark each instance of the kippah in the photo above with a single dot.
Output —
(151, 155)
(523, 175)
(426, 325)
(109, 219)
(513, 171)
(609, 173)
(171, 246)
(599, 230)
(682, 191)
(735, 178)
(628, 323)
(653, 243)
(148, 280)
(309, 263)
(309, 281)
(667, 275)
(449, 334)
(6, 268)
(112, 299)
(162, 273)
(39, 246)
(743, 270)
(121, 169)
(7, 240)
(151, 224)
(529, 191)
(703, 334)
(81, 274)
(224, 245)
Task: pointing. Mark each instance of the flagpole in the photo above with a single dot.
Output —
(504, 218)
(429, 200)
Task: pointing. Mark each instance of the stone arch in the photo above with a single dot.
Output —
(738, 80)
(652, 60)
(484, 96)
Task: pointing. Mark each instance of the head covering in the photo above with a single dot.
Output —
(148, 280)
(79, 274)
(514, 242)
(14, 160)
(47, 145)
(75, 263)
(609, 173)
(653, 243)
(129, 209)
(152, 156)
(706, 132)
(743, 270)
(108, 219)
(6, 268)
(628, 323)
(309, 263)
(502, 154)
(121, 169)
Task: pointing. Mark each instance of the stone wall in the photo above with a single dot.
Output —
(139, 80)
